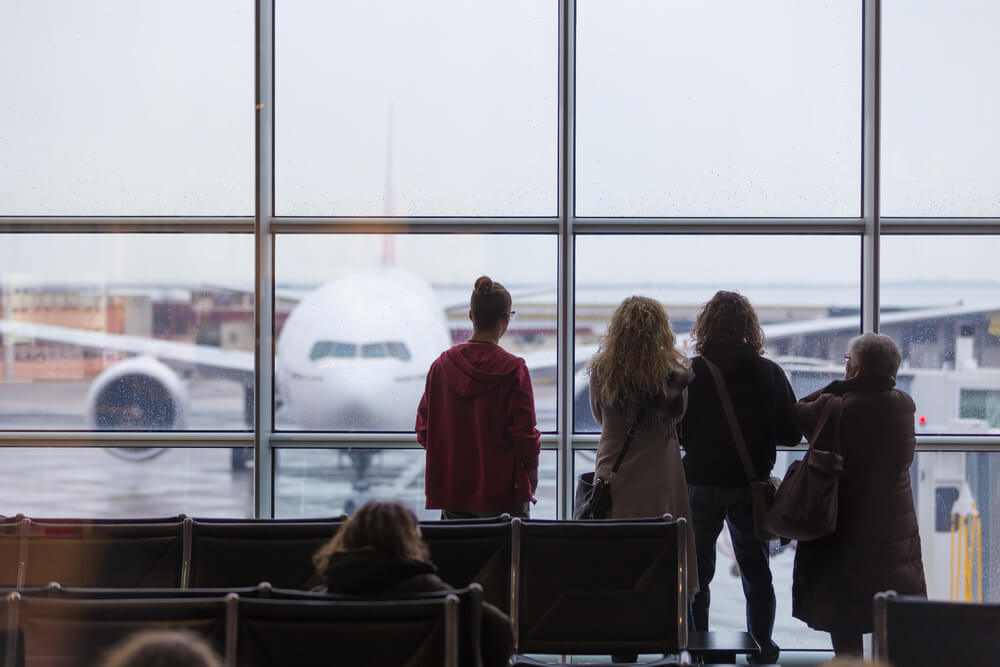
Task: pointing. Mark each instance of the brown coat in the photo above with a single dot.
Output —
(876, 545)
(650, 481)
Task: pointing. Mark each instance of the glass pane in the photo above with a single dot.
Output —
(806, 290)
(93, 483)
(127, 108)
(396, 107)
(940, 301)
(718, 109)
(328, 482)
(958, 509)
(360, 319)
(126, 331)
(940, 137)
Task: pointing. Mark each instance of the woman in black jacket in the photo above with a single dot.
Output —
(728, 333)
(379, 552)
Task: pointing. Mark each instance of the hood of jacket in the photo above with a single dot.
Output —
(730, 355)
(369, 571)
(476, 368)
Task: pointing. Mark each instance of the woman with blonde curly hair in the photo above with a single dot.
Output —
(639, 378)
(727, 332)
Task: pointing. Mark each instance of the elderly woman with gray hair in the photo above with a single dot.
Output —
(876, 545)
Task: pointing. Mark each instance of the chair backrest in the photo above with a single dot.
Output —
(105, 554)
(58, 592)
(247, 553)
(473, 552)
(384, 633)
(916, 632)
(470, 613)
(10, 553)
(585, 587)
(78, 632)
(11, 641)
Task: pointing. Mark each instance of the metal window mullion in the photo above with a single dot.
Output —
(871, 151)
(125, 224)
(186, 439)
(565, 297)
(951, 226)
(716, 225)
(264, 261)
(415, 225)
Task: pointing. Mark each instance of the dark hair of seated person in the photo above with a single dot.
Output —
(379, 552)
(161, 648)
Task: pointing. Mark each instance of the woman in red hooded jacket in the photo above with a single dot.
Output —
(476, 419)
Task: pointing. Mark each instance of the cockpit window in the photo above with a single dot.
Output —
(328, 348)
(373, 350)
(398, 350)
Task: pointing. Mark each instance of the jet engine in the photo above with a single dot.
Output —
(137, 394)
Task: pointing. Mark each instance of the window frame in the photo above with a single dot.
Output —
(870, 226)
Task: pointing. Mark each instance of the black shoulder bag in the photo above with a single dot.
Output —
(592, 499)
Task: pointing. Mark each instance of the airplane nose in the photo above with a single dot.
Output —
(352, 416)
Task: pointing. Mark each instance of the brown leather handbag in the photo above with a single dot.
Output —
(805, 506)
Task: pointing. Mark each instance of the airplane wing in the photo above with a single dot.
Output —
(846, 323)
(239, 361)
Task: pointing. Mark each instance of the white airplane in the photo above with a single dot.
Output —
(351, 356)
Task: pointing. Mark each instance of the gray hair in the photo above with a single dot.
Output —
(876, 354)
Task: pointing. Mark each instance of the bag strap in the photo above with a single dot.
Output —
(734, 426)
(824, 416)
(629, 434)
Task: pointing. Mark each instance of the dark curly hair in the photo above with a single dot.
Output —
(727, 318)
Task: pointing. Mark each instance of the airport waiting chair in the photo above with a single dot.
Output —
(10, 553)
(361, 633)
(470, 613)
(599, 587)
(473, 552)
(77, 632)
(103, 554)
(247, 553)
(56, 591)
(11, 641)
(916, 632)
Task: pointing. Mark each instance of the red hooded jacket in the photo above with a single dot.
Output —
(477, 422)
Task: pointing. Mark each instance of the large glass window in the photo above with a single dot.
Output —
(805, 289)
(360, 319)
(433, 108)
(318, 482)
(718, 109)
(148, 332)
(940, 137)
(940, 301)
(113, 483)
(127, 108)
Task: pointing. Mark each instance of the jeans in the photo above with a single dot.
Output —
(710, 506)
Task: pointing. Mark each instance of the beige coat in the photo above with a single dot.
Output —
(650, 481)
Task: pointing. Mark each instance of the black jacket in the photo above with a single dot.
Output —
(379, 574)
(762, 399)
(376, 573)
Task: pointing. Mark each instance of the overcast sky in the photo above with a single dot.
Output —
(449, 108)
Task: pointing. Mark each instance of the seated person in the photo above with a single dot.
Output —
(379, 552)
(161, 648)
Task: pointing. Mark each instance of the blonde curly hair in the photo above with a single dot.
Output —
(636, 354)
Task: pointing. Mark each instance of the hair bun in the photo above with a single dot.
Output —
(484, 285)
